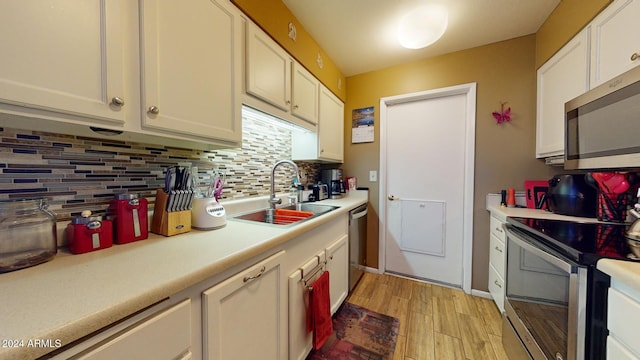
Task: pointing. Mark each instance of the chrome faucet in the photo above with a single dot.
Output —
(273, 201)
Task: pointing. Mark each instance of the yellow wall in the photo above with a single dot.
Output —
(505, 154)
(274, 18)
(566, 20)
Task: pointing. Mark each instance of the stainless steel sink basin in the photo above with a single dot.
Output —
(287, 215)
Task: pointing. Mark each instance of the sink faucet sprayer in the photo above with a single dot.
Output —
(273, 201)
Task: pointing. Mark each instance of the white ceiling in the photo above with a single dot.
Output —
(359, 35)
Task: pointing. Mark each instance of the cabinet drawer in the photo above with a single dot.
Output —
(496, 288)
(623, 318)
(497, 254)
(166, 335)
(496, 228)
(617, 351)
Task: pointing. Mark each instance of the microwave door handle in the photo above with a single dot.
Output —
(565, 266)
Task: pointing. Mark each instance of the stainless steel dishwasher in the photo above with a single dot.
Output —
(357, 244)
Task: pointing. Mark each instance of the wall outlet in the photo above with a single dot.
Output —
(373, 176)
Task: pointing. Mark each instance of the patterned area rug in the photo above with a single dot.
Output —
(359, 333)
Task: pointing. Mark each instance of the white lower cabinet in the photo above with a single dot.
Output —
(329, 244)
(337, 255)
(244, 316)
(497, 259)
(623, 316)
(257, 313)
(166, 335)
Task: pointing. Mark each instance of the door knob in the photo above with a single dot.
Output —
(392, 197)
(117, 101)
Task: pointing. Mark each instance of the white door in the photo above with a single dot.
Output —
(427, 154)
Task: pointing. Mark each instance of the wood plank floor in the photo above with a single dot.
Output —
(436, 322)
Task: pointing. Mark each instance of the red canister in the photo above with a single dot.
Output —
(129, 214)
(89, 233)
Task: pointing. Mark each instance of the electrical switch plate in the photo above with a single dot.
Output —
(373, 176)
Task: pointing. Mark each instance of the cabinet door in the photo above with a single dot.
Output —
(305, 90)
(337, 255)
(330, 127)
(166, 335)
(614, 42)
(191, 78)
(64, 56)
(244, 317)
(268, 69)
(560, 79)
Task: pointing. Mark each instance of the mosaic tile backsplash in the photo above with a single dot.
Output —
(76, 173)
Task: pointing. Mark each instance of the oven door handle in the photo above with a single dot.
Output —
(521, 239)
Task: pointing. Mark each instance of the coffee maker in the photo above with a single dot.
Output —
(333, 178)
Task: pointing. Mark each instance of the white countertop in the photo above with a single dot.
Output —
(627, 272)
(72, 296)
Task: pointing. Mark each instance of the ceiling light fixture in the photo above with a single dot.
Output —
(423, 26)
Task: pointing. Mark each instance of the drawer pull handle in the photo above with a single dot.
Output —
(253, 277)
(635, 56)
(497, 248)
(153, 110)
(497, 284)
(498, 229)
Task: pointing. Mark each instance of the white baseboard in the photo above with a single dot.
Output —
(482, 294)
(373, 270)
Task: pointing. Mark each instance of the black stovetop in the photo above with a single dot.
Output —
(585, 243)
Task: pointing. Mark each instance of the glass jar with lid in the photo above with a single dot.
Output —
(28, 234)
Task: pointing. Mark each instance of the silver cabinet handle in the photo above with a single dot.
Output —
(498, 229)
(117, 101)
(295, 107)
(321, 151)
(392, 197)
(288, 102)
(635, 56)
(153, 110)
(497, 248)
(497, 284)
(253, 277)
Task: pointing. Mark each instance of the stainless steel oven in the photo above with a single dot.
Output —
(556, 299)
(545, 299)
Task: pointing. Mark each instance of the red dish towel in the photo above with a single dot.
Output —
(320, 311)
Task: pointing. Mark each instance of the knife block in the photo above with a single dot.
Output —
(169, 223)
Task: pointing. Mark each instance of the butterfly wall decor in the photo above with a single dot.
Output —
(504, 115)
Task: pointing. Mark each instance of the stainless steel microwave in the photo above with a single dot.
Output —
(602, 126)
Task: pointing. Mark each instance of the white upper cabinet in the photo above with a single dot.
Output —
(268, 69)
(63, 56)
(606, 48)
(615, 44)
(191, 81)
(273, 76)
(331, 127)
(327, 144)
(560, 79)
(304, 92)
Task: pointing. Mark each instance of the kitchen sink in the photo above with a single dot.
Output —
(287, 215)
